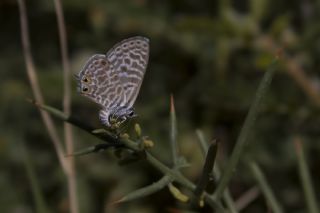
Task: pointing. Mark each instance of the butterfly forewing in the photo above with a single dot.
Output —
(129, 60)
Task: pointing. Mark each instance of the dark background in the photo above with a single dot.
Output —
(211, 55)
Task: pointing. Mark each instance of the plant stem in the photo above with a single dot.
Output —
(68, 136)
(173, 173)
(306, 181)
(33, 79)
(216, 172)
(173, 133)
(246, 130)
(266, 189)
(40, 204)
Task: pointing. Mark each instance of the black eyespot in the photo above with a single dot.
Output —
(131, 113)
(86, 80)
(85, 89)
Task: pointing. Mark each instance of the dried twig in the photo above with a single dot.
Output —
(248, 197)
(173, 133)
(293, 69)
(33, 79)
(67, 106)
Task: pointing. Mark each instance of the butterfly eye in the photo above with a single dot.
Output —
(131, 114)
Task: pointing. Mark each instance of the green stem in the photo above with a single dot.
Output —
(178, 177)
(107, 137)
(266, 189)
(306, 181)
(246, 130)
(148, 190)
(35, 188)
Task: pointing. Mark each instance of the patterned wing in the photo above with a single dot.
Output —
(98, 81)
(129, 60)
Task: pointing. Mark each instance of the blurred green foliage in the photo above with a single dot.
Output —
(209, 54)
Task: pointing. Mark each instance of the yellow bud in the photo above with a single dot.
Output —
(201, 203)
(137, 128)
(124, 136)
(148, 143)
(178, 194)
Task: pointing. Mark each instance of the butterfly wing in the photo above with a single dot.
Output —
(99, 81)
(129, 59)
(115, 79)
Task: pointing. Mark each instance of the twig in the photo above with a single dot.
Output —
(33, 79)
(207, 170)
(173, 133)
(293, 69)
(182, 180)
(247, 128)
(145, 191)
(247, 198)
(40, 204)
(109, 138)
(67, 106)
(216, 172)
(203, 142)
(306, 181)
(265, 188)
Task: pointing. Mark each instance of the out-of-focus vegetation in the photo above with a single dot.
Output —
(210, 54)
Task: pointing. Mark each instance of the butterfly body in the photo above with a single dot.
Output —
(114, 80)
(116, 116)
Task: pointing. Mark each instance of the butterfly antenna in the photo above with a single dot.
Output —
(76, 76)
(125, 126)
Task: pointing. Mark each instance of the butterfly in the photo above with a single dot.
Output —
(113, 80)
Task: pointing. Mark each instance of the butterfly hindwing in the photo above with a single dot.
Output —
(98, 82)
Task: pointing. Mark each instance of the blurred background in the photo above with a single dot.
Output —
(211, 55)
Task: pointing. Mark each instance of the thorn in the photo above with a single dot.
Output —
(172, 109)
